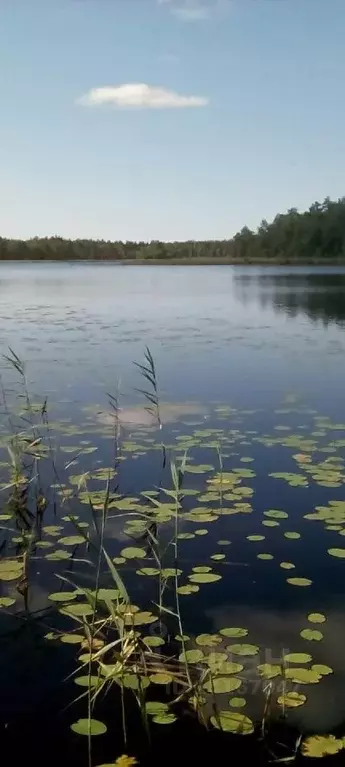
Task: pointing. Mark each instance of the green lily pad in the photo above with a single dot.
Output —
(299, 581)
(161, 678)
(133, 552)
(292, 699)
(88, 727)
(204, 577)
(188, 588)
(297, 657)
(208, 640)
(287, 566)
(154, 707)
(6, 601)
(302, 675)
(312, 635)
(231, 721)
(164, 718)
(269, 670)
(63, 596)
(191, 656)
(292, 536)
(86, 681)
(71, 540)
(243, 649)
(221, 684)
(237, 702)
(276, 514)
(340, 553)
(234, 632)
(320, 668)
(319, 746)
(255, 537)
(217, 557)
(153, 641)
(79, 609)
(265, 556)
(148, 571)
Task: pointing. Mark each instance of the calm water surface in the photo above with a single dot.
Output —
(267, 342)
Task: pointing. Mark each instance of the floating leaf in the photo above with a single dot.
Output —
(234, 632)
(276, 514)
(319, 746)
(202, 468)
(292, 536)
(321, 669)
(224, 542)
(269, 670)
(135, 682)
(63, 596)
(80, 608)
(148, 571)
(302, 675)
(340, 553)
(6, 601)
(133, 552)
(153, 641)
(191, 656)
(204, 577)
(237, 702)
(292, 699)
(231, 721)
(71, 540)
(221, 684)
(154, 707)
(270, 523)
(243, 649)
(86, 681)
(265, 556)
(217, 557)
(58, 554)
(162, 678)
(189, 588)
(72, 638)
(88, 727)
(170, 572)
(312, 635)
(164, 719)
(297, 657)
(255, 537)
(299, 581)
(208, 640)
(287, 566)
(202, 569)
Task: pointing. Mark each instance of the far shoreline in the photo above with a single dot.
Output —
(182, 261)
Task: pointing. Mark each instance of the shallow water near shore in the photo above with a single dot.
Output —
(250, 366)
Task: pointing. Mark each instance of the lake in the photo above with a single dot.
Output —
(250, 370)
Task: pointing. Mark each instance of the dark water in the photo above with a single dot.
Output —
(268, 343)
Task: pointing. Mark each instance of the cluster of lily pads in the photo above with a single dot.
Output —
(114, 645)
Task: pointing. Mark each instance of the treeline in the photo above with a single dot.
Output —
(314, 235)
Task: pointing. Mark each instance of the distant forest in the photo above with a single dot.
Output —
(315, 235)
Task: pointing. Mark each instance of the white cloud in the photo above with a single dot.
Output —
(140, 96)
(195, 10)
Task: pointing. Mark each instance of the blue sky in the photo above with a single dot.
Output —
(249, 120)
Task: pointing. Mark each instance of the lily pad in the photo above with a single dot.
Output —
(222, 684)
(292, 699)
(243, 649)
(237, 702)
(231, 721)
(234, 632)
(204, 577)
(71, 540)
(312, 635)
(133, 552)
(303, 675)
(164, 718)
(319, 746)
(6, 601)
(287, 566)
(299, 581)
(191, 656)
(88, 727)
(292, 536)
(320, 668)
(340, 553)
(297, 657)
(265, 556)
(208, 640)
(269, 670)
